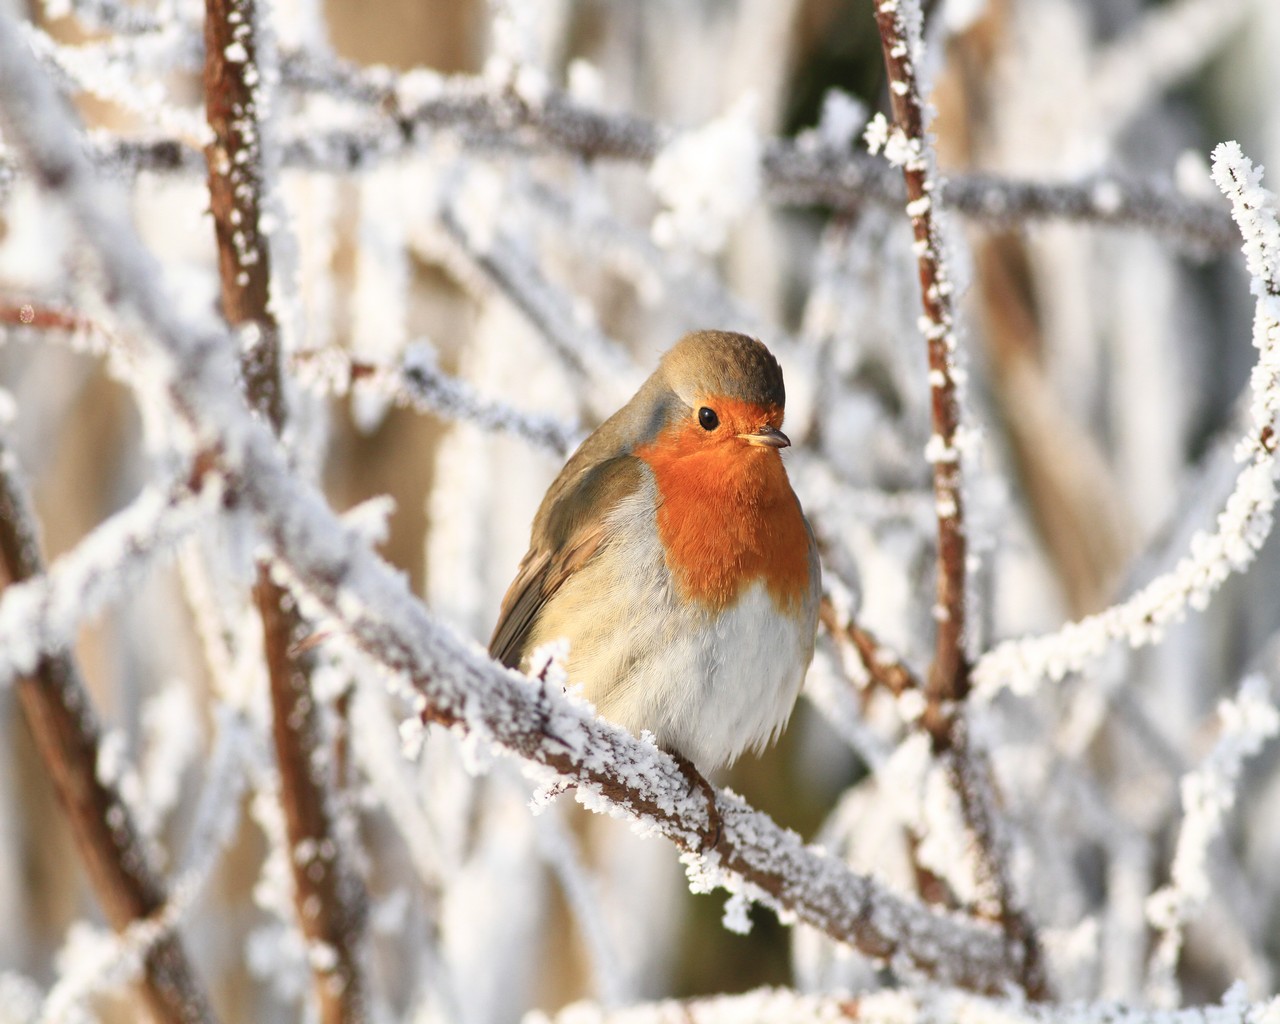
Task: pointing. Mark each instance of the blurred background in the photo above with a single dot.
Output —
(1105, 373)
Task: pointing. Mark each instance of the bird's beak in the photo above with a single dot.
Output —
(767, 437)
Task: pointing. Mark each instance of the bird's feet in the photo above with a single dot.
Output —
(696, 780)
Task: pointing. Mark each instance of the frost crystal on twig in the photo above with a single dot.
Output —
(1208, 794)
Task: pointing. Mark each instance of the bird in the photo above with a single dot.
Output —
(674, 557)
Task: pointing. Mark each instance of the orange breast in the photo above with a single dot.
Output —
(728, 517)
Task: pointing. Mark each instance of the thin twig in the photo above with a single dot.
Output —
(417, 383)
(948, 683)
(582, 348)
(884, 668)
(327, 895)
(60, 714)
(42, 317)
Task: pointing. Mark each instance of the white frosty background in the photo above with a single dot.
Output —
(499, 295)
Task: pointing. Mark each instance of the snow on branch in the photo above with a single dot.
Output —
(41, 615)
(895, 1006)
(111, 70)
(406, 111)
(1245, 521)
(908, 146)
(456, 684)
(568, 327)
(61, 717)
(328, 895)
(1208, 793)
(418, 383)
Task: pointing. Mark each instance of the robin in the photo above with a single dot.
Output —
(674, 557)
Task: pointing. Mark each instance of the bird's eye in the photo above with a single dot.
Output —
(708, 418)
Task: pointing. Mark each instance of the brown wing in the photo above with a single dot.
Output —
(567, 532)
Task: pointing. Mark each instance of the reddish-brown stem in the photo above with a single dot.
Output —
(948, 682)
(234, 160)
(41, 318)
(327, 896)
(884, 669)
(61, 717)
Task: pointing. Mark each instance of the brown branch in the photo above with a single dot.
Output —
(61, 717)
(327, 894)
(884, 668)
(948, 681)
(234, 159)
(42, 318)
(971, 777)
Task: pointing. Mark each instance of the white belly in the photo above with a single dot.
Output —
(708, 687)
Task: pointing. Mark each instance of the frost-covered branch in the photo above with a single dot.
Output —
(234, 100)
(1245, 521)
(328, 896)
(456, 683)
(576, 340)
(908, 145)
(407, 110)
(61, 717)
(41, 615)
(899, 1006)
(1192, 224)
(418, 383)
(1208, 793)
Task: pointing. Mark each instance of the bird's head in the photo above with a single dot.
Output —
(729, 397)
